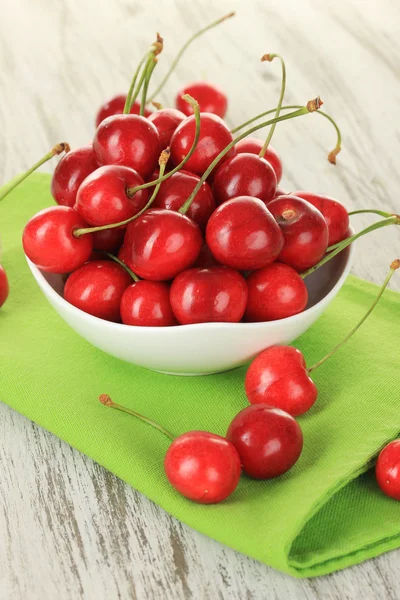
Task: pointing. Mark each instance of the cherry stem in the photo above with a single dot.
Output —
(269, 58)
(58, 149)
(371, 211)
(106, 400)
(304, 110)
(393, 267)
(332, 155)
(129, 101)
(343, 244)
(182, 51)
(149, 71)
(162, 161)
(123, 265)
(148, 58)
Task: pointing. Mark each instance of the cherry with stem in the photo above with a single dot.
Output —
(57, 149)
(182, 51)
(269, 58)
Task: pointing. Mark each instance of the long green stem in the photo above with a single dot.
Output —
(123, 265)
(182, 51)
(371, 211)
(342, 245)
(298, 113)
(149, 72)
(149, 57)
(332, 155)
(393, 267)
(58, 149)
(269, 58)
(106, 400)
(128, 102)
(163, 163)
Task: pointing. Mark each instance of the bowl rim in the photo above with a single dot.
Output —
(73, 310)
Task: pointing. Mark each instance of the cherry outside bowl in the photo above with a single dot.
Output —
(201, 348)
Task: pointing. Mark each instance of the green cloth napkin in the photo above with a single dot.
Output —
(327, 513)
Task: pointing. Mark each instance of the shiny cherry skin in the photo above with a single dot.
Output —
(387, 470)
(146, 304)
(275, 292)
(214, 295)
(209, 96)
(335, 214)
(97, 288)
(160, 244)
(175, 190)
(202, 466)
(269, 440)
(244, 175)
(205, 259)
(242, 234)
(214, 137)
(49, 241)
(128, 140)
(166, 121)
(304, 229)
(72, 169)
(4, 286)
(254, 146)
(108, 240)
(102, 197)
(115, 106)
(278, 377)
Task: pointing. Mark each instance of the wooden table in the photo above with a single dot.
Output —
(68, 528)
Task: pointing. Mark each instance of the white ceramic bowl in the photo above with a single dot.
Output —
(201, 348)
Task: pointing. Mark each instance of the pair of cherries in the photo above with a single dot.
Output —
(263, 441)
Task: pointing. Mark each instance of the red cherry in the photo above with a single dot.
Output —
(97, 288)
(102, 197)
(278, 377)
(202, 466)
(214, 137)
(242, 234)
(115, 106)
(108, 240)
(206, 259)
(4, 287)
(335, 214)
(146, 303)
(72, 169)
(176, 189)
(49, 241)
(254, 146)
(269, 441)
(275, 292)
(166, 121)
(210, 98)
(160, 244)
(244, 175)
(304, 229)
(217, 294)
(388, 470)
(128, 140)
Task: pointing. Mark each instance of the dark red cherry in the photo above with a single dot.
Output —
(217, 294)
(146, 304)
(128, 140)
(102, 197)
(275, 292)
(304, 229)
(166, 121)
(254, 146)
(97, 288)
(209, 96)
(49, 241)
(214, 137)
(335, 214)
(242, 234)
(72, 169)
(175, 190)
(4, 286)
(278, 377)
(160, 244)
(115, 106)
(244, 175)
(108, 240)
(388, 470)
(269, 441)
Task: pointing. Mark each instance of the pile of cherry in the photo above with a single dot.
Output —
(167, 219)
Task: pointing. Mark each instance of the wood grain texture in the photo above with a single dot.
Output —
(68, 528)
